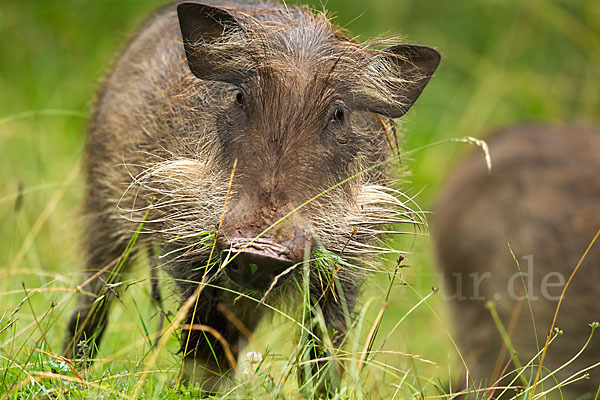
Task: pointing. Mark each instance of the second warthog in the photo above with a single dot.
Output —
(542, 202)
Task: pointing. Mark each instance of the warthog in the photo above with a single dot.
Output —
(246, 138)
(542, 202)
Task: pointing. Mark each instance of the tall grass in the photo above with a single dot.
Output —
(504, 62)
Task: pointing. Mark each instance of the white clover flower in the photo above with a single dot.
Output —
(254, 357)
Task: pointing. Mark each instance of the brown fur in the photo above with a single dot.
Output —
(164, 140)
(543, 198)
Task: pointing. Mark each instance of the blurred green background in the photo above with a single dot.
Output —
(504, 62)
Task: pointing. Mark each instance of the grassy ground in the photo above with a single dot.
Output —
(504, 62)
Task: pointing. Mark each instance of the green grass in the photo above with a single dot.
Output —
(504, 62)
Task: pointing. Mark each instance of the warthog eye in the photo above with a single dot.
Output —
(339, 114)
(240, 99)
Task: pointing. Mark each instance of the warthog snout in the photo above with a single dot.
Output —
(255, 263)
(255, 270)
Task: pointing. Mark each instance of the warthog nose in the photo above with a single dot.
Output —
(254, 270)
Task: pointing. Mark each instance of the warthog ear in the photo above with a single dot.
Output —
(202, 26)
(398, 76)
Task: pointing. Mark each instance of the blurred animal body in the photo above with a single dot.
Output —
(542, 198)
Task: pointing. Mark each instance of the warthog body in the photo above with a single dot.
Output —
(543, 198)
(266, 109)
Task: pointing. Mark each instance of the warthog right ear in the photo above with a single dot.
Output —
(202, 26)
(396, 78)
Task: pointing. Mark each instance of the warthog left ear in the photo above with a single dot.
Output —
(396, 78)
(202, 26)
